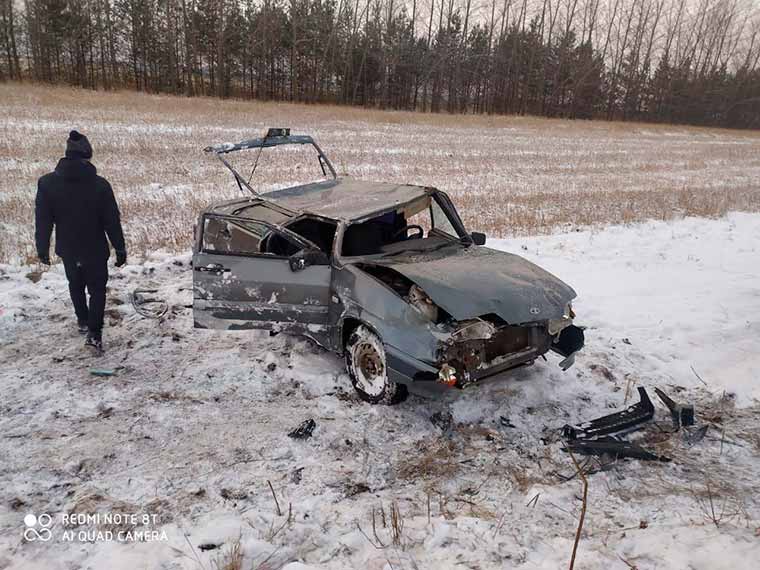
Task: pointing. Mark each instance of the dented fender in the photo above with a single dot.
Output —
(367, 300)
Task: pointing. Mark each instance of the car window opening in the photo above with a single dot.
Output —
(222, 235)
(277, 244)
(319, 232)
(419, 225)
(245, 237)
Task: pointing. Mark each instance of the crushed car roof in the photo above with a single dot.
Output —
(345, 198)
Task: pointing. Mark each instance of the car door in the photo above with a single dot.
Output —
(249, 273)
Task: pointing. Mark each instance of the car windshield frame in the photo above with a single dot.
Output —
(444, 203)
(452, 215)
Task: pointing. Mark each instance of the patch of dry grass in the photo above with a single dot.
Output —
(435, 460)
(231, 558)
(508, 175)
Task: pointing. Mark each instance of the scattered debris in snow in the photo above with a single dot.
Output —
(195, 413)
(304, 430)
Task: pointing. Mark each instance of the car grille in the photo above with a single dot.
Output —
(507, 340)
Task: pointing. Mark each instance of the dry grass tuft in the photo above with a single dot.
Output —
(438, 459)
(719, 503)
(508, 175)
(231, 558)
(387, 528)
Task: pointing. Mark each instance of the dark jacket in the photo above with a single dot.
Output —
(83, 209)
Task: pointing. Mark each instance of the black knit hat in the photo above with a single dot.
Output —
(78, 146)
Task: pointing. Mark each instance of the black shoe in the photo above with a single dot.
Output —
(82, 327)
(94, 341)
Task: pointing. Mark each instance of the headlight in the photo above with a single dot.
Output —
(447, 375)
(555, 326)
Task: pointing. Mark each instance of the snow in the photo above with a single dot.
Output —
(686, 295)
(193, 426)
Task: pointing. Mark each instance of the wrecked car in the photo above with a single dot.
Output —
(384, 274)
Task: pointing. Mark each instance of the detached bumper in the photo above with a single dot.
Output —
(570, 341)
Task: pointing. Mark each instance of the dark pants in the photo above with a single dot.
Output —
(93, 276)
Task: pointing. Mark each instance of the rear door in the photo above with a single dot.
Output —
(244, 276)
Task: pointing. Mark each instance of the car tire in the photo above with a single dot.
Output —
(366, 366)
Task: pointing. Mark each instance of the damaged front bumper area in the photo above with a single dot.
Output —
(479, 349)
(506, 347)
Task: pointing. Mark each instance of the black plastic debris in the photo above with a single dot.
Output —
(695, 436)
(682, 415)
(208, 546)
(233, 494)
(613, 447)
(631, 417)
(687, 415)
(504, 421)
(353, 489)
(304, 430)
(442, 420)
(296, 475)
(593, 437)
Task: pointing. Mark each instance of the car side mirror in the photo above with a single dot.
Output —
(478, 238)
(307, 257)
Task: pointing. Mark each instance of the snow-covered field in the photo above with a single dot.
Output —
(193, 428)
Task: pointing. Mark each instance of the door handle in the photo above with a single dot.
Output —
(213, 268)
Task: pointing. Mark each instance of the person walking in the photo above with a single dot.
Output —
(82, 208)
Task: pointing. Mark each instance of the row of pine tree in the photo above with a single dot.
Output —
(678, 61)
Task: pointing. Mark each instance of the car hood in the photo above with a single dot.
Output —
(477, 281)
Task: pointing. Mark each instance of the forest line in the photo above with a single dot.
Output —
(677, 61)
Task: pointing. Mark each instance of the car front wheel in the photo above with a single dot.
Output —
(366, 365)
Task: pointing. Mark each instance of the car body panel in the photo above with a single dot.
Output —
(475, 281)
(373, 303)
(233, 291)
(346, 199)
(230, 289)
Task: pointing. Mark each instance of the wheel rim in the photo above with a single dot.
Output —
(369, 368)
